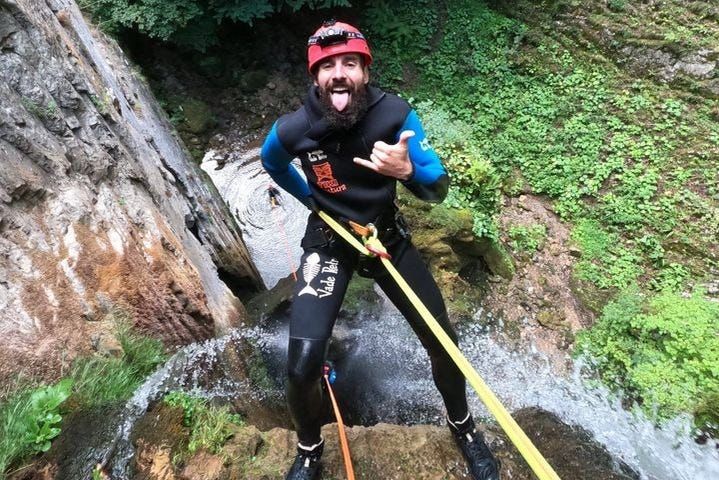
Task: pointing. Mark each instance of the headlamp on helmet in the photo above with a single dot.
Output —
(334, 38)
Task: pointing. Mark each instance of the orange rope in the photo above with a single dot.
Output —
(284, 239)
(341, 428)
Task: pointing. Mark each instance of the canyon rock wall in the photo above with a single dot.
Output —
(103, 215)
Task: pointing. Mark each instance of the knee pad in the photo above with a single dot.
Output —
(305, 358)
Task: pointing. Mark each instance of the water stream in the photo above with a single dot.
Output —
(386, 360)
(384, 370)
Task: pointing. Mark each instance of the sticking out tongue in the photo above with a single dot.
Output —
(340, 100)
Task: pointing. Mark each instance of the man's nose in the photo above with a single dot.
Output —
(338, 72)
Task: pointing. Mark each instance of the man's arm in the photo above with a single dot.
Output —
(276, 160)
(429, 179)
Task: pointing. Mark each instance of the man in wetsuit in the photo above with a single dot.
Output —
(355, 142)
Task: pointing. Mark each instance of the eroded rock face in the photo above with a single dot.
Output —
(383, 451)
(101, 209)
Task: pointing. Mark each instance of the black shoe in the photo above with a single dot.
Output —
(481, 462)
(307, 464)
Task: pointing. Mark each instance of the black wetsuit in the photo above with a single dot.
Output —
(348, 191)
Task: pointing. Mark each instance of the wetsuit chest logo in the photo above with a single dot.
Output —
(326, 179)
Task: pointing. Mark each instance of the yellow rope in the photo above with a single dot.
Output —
(534, 458)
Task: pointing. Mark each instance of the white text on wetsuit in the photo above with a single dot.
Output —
(328, 284)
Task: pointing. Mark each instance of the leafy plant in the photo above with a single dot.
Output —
(45, 111)
(29, 420)
(210, 426)
(527, 238)
(662, 350)
(43, 418)
(190, 23)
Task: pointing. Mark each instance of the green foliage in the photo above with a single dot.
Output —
(46, 111)
(630, 163)
(475, 182)
(617, 5)
(30, 420)
(97, 474)
(503, 101)
(402, 39)
(102, 381)
(43, 418)
(30, 415)
(210, 426)
(186, 402)
(663, 350)
(605, 261)
(527, 238)
(189, 23)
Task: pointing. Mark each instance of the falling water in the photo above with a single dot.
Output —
(384, 357)
(385, 372)
(202, 369)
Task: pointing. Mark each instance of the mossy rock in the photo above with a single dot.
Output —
(162, 425)
(552, 319)
(360, 296)
(498, 259)
(253, 80)
(198, 116)
(589, 296)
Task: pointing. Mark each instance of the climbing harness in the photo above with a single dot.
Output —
(274, 195)
(372, 246)
(330, 377)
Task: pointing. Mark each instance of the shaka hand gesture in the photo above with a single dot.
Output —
(390, 160)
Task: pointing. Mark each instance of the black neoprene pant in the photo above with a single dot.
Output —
(325, 272)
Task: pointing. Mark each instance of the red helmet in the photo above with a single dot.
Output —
(336, 37)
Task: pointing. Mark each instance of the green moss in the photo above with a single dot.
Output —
(198, 116)
(257, 371)
(360, 294)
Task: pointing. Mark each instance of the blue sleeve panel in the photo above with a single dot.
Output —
(276, 160)
(429, 180)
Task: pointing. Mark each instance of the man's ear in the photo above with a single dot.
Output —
(365, 69)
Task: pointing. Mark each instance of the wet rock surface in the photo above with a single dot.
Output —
(100, 206)
(380, 451)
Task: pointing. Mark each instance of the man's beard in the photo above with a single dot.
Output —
(348, 117)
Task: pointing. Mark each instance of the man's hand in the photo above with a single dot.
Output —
(390, 160)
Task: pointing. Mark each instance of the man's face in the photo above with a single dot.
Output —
(340, 79)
